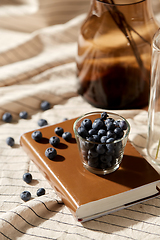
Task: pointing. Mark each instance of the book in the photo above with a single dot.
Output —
(88, 195)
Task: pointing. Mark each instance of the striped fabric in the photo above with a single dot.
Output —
(37, 62)
(30, 15)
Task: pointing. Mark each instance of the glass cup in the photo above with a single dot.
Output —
(153, 138)
(101, 157)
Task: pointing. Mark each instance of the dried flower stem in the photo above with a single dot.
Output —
(126, 29)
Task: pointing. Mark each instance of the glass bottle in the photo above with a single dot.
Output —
(114, 54)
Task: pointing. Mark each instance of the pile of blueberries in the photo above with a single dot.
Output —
(98, 146)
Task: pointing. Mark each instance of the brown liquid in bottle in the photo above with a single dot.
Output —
(114, 55)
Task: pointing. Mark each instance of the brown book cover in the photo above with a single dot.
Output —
(88, 195)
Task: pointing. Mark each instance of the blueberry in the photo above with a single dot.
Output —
(110, 134)
(7, 117)
(98, 124)
(92, 131)
(119, 132)
(123, 125)
(90, 138)
(116, 123)
(45, 105)
(92, 153)
(96, 138)
(42, 122)
(93, 162)
(51, 153)
(105, 158)
(40, 192)
(86, 123)
(104, 115)
(103, 139)
(105, 165)
(110, 126)
(54, 141)
(59, 131)
(87, 145)
(110, 140)
(67, 136)
(101, 132)
(10, 141)
(65, 119)
(110, 150)
(101, 149)
(108, 120)
(23, 115)
(27, 177)
(37, 136)
(82, 132)
(25, 196)
(110, 145)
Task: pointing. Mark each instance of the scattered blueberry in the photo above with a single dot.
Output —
(51, 153)
(54, 141)
(65, 119)
(45, 105)
(25, 196)
(59, 131)
(10, 141)
(40, 192)
(27, 177)
(37, 136)
(23, 115)
(67, 136)
(7, 117)
(42, 122)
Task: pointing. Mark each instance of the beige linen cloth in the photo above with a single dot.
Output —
(38, 45)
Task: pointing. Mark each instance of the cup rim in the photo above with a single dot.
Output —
(99, 112)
